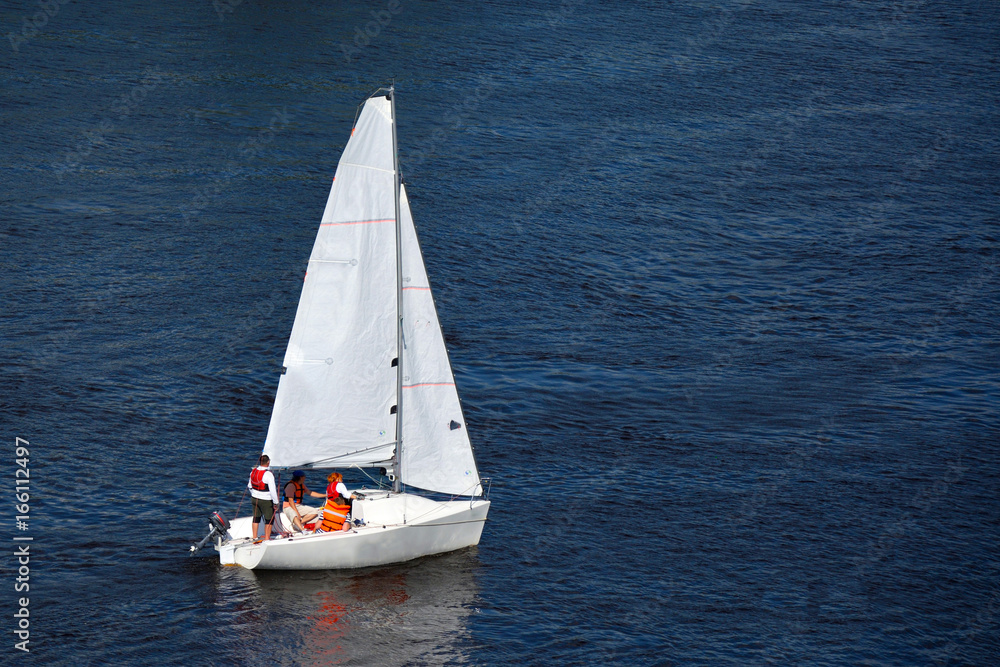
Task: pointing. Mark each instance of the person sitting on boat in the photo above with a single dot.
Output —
(294, 511)
(337, 510)
(336, 486)
(265, 496)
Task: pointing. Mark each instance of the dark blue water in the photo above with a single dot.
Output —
(719, 282)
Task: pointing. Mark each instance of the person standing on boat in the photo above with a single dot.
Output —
(293, 509)
(264, 492)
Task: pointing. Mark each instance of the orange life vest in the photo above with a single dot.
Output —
(300, 490)
(257, 480)
(334, 514)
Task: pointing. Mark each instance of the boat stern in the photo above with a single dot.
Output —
(237, 535)
(227, 553)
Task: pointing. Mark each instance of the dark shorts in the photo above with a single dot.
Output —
(262, 508)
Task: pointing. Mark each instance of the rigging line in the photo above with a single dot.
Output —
(434, 509)
(367, 475)
(357, 111)
(448, 523)
(243, 497)
(340, 456)
(277, 508)
(240, 506)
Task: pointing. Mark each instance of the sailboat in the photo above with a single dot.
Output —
(367, 382)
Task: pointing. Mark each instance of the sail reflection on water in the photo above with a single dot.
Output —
(400, 614)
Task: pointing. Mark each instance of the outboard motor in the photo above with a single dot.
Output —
(218, 524)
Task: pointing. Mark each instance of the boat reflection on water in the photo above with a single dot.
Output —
(401, 614)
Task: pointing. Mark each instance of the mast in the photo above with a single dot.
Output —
(397, 485)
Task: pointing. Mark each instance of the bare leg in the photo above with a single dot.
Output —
(254, 522)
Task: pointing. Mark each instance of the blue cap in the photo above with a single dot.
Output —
(298, 473)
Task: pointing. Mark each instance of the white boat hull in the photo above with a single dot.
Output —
(397, 528)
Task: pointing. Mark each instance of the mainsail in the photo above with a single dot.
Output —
(336, 404)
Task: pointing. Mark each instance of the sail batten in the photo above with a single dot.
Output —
(365, 166)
